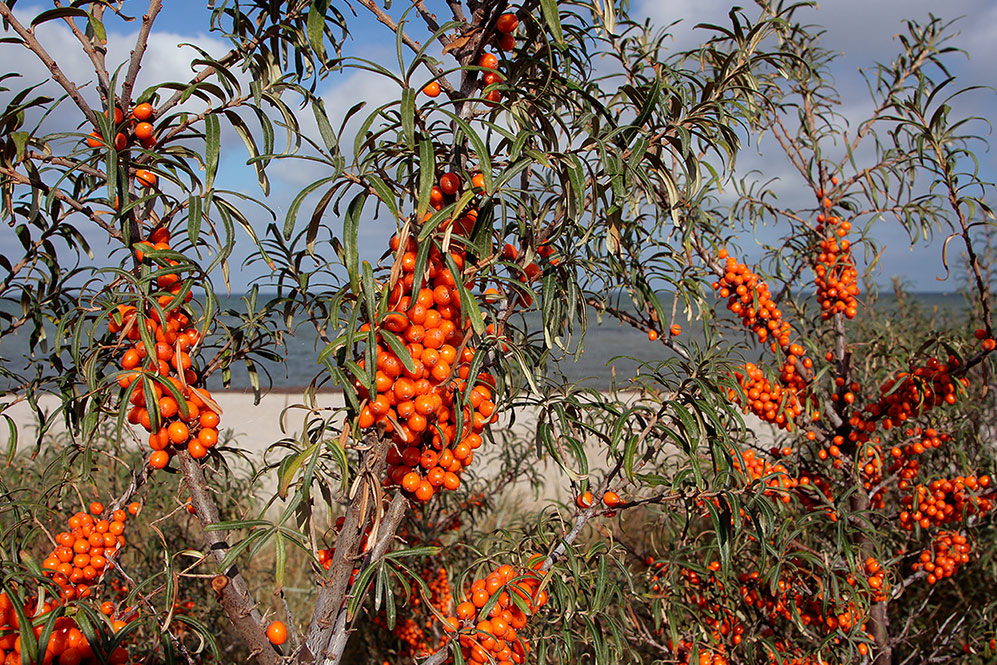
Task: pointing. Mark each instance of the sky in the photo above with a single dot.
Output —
(864, 32)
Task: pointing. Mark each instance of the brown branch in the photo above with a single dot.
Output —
(31, 43)
(342, 631)
(638, 324)
(135, 63)
(412, 43)
(73, 165)
(98, 62)
(363, 504)
(236, 600)
(22, 179)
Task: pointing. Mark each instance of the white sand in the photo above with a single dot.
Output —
(257, 426)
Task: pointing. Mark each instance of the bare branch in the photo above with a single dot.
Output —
(31, 43)
(139, 51)
(236, 600)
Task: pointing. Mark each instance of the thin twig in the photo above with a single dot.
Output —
(31, 43)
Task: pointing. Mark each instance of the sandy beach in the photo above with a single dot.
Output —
(281, 414)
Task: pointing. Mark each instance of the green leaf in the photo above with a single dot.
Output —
(408, 117)
(468, 305)
(194, 218)
(212, 141)
(324, 126)
(290, 466)
(351, 248)
(315, 27)
(553, 19)
(97, 28)
(59, 12)
(384, 193)
(398, 348)
(427, 177)
(242, 129)
(12, 441)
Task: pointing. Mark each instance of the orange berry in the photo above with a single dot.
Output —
(277, 633)
(178, 432)
(432, 89)
(449, 183)
(488, 61)
(507, 23)
(143, 111)
(144, 131)
(159, 459)
(652, 335)
(147, 178)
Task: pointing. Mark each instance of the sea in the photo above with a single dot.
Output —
(612, 353)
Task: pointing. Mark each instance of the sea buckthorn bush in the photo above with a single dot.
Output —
(783, 466)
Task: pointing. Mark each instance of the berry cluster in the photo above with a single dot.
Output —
(418, 402)
(137, 127)
(836, 276)
(876, 579)
(749, 297)
(495, 637)
(775, 477)
(504, 40)
(185, 416)
(412, 630)
(324, 556)
(945, 501)
(949, 550)
(67, 645)
(82, 555)
(85, 552)
(769, 400)
(792, 600)
(910, 394)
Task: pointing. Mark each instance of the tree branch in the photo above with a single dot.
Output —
(135, 63)
(236, 600)
(31, 43)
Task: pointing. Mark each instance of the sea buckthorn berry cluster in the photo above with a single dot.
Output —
(794, 596)
(505, 40)
(989, 344)
(814, 491)
(904, 458)
(82, 555)
(137, 126)
(910, 394)
(946, 501)
(771, 401)
(797, 597)
(749, 297)
(495, 638)
(775, 476)
(192, 424)
(876, 579)
(67, 645)
(418, 406)
(949, 550)
(324, 556)
(836, 277)
(85, 551)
